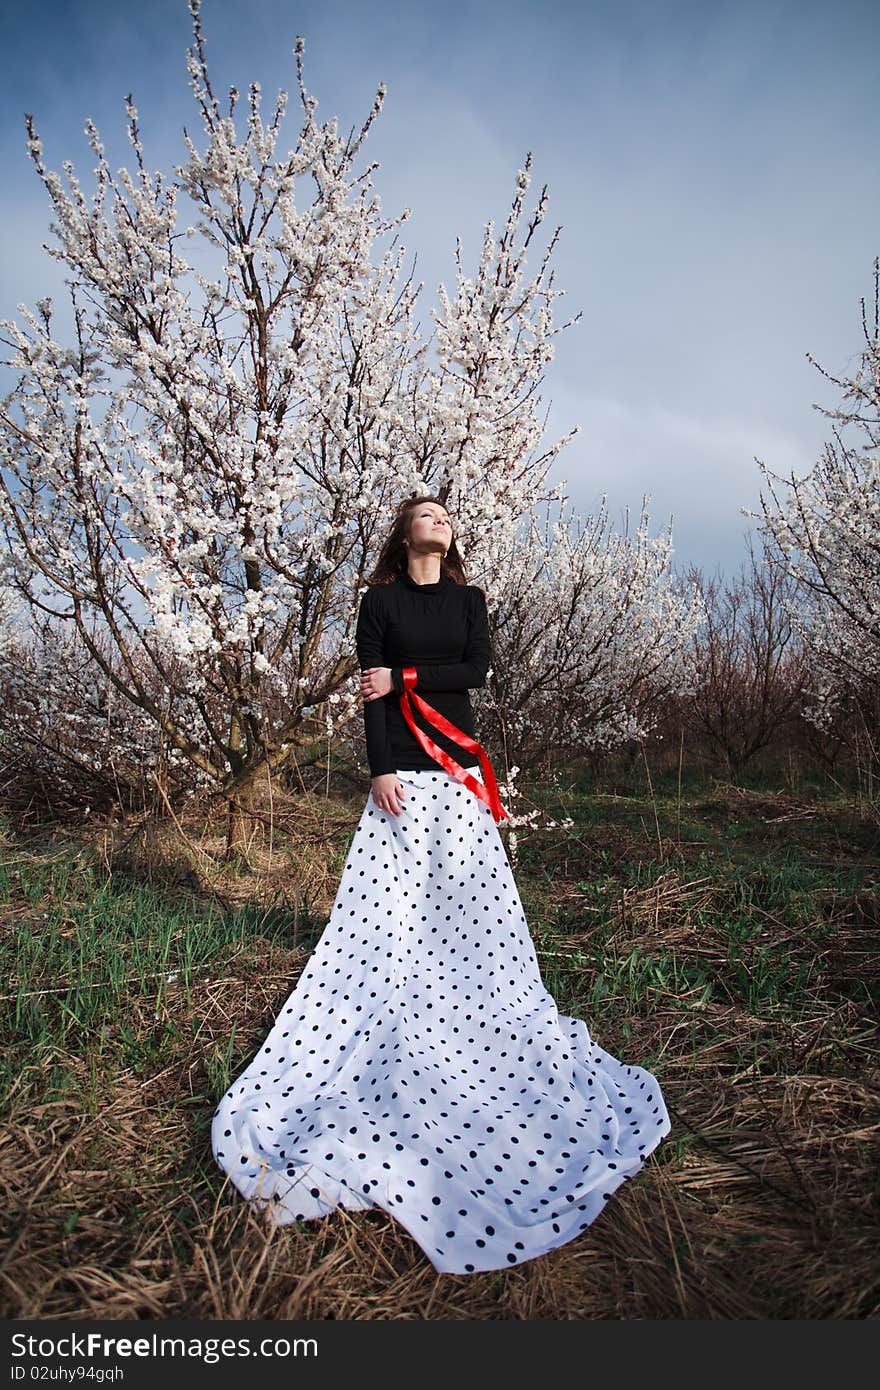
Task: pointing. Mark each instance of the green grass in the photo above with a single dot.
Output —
(87, 962)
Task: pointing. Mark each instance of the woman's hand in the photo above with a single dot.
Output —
(387, 793)
(376, 682)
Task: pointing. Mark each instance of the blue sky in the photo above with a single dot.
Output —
(713, 167)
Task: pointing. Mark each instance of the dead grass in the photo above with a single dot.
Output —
(760, 1204)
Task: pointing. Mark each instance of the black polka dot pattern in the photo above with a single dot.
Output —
(420, 1065)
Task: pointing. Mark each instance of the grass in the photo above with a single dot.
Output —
(726, 939)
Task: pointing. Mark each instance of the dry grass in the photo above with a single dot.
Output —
(761, 1203)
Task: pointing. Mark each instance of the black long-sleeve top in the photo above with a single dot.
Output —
(442, 630)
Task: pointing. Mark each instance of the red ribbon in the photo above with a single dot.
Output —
(487, 792)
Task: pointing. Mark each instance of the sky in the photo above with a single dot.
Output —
(712, 165)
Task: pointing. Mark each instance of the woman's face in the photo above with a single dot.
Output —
(430, 529)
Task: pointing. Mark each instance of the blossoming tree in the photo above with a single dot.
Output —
(205, 467)
(825, 533)
(590, 635)
(196, 484)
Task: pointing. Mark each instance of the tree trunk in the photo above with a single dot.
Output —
(241, 821)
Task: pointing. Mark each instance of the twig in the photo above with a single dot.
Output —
(653, 801)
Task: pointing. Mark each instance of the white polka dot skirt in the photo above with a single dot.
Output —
(420, 1065)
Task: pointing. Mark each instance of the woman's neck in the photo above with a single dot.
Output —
(427, 573)
(410, 582)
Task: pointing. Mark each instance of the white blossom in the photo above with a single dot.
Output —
(825, 532)
(203, 474)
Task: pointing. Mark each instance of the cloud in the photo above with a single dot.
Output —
(697, 470)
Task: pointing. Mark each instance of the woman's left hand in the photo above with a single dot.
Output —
(376, 682)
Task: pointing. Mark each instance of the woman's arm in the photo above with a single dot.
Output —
(457, 675)
(368, 640)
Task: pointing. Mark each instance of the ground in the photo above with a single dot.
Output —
(725, 938)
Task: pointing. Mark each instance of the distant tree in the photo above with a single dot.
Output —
(751, 667)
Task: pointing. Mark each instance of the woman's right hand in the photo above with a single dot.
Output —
(388, 792)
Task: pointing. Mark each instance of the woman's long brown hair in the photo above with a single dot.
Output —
(392, 561)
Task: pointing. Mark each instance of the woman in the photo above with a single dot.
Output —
(419, 1064)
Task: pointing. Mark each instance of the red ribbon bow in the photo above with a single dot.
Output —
(487, 792)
